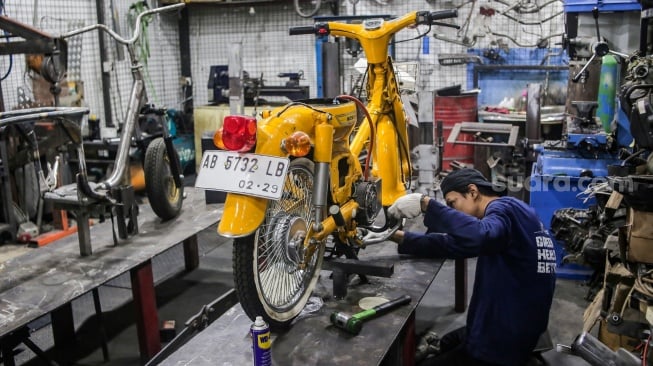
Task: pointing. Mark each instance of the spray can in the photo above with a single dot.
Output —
(261, 343)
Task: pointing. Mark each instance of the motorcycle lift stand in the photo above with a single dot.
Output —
(342, 267)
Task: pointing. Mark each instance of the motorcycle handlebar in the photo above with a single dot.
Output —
(443, 14)
(422, 17)
(307, 29)
(116, 36)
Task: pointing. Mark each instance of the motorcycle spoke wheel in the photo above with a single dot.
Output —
(163, 193)
(307, 8)
(268, 278)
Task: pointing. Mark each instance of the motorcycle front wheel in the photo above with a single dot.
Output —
(163, 193)
(267, 278)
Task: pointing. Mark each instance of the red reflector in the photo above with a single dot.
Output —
(239, 132)
(322, 31)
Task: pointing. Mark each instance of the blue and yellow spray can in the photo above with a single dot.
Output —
(261, 342)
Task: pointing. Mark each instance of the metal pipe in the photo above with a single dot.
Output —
(116, 36)
(533, 112)
(320, 189)
(120, 165)
(106, 76)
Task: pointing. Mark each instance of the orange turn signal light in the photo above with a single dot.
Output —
(297, 144)
(217, 139)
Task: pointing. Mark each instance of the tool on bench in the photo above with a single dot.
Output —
(354, 323)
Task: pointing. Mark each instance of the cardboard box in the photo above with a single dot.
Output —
(640, 236)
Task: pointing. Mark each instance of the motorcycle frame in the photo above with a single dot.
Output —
(386, 132)
(388, 120)
(115, 190)
(137, 98)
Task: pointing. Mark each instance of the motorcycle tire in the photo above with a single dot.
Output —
(307, 8)
(267, 278)
(164, 195)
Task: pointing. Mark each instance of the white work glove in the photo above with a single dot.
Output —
(408, 206)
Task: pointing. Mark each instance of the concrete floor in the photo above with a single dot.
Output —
(182, 294)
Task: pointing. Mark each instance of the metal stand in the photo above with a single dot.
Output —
(69, 198)
(342, 268)
(66, 198)
(9, 342)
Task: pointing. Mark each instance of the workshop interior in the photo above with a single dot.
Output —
(256, 145)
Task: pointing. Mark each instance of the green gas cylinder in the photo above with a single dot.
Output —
(607, 91)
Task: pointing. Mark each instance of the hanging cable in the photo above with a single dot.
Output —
(11, 57)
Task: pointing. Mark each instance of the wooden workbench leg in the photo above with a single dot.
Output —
(147, 319)
(63, 332)
(191, 253)
(460, 279)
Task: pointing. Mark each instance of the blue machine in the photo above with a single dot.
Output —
(565, 168)
(559, 176)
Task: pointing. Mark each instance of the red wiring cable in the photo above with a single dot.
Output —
(645, 353)
(372, 131)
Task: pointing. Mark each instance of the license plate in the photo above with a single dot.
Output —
(244, 173)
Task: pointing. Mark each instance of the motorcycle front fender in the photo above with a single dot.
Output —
(241, 215)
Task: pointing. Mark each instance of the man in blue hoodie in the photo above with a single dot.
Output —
(515, 270)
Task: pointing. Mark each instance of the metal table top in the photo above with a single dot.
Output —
(312, 339)
(40, 281)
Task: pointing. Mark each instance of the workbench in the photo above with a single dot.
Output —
(46, 280)
(312, 339)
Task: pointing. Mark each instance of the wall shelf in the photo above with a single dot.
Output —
(584, 6)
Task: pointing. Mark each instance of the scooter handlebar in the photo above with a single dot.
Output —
(443, 14)
(306, 29)
(116, 36)
(422, 17)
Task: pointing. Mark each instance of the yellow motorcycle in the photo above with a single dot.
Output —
(297, 181)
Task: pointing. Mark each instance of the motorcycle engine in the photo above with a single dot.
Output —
(368, 197)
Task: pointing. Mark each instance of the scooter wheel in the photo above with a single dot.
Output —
(164, 195)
